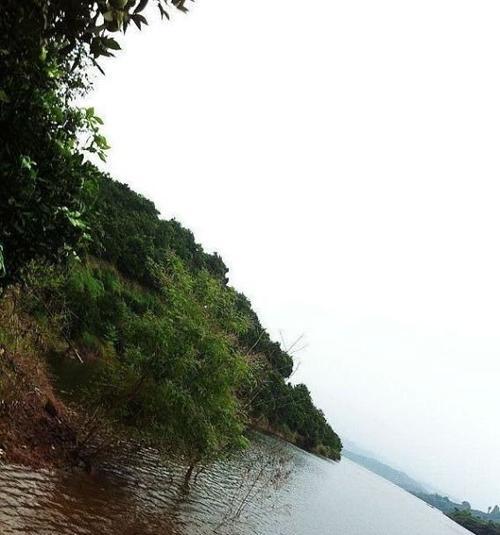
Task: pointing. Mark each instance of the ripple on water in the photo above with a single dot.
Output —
(141, 493)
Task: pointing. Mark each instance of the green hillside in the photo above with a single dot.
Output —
(138, 322)
(164, 344)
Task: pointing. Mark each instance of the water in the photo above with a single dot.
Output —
(270, 489)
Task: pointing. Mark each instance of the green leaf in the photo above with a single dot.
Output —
(27, 163)
(142, 4)
(111, 43)
(163, 12)
(138, 20)
(43, 54)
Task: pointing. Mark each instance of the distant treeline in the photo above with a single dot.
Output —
(443, 503)
(475, 524)
(475, 520)
(479, 522)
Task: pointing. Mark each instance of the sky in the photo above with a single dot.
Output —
(343, 158)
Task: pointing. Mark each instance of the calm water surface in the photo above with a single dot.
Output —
(270, 489)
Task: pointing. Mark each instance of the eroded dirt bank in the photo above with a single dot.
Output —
(36, 427)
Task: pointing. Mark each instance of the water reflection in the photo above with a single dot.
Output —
(272, 488)
(141, 493)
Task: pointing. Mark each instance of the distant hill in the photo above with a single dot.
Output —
(450, 507)
(479, 522)
(387, 472)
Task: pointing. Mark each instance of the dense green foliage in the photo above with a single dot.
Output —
(158, 361)
(130, 235)
(43, 175)
(127, 231)
(166, 345)
(46, 48)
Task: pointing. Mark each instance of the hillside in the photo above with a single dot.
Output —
(479, 522)
(111, 317)
(143, 330)
(449, 507)
(387, 472)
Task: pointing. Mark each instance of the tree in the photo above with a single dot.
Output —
(475, 524)
(46, 182)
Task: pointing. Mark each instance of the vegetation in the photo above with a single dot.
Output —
(163, 343)
(475, 524)
(476, 521)
(168, 347)
(46, 183)
(479, 522)
(188, 289)
(443, 503)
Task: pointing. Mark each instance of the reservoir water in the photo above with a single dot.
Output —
(270, 489)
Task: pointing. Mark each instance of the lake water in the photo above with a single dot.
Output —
(272, 488)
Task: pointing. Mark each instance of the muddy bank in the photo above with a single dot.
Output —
(36, 427)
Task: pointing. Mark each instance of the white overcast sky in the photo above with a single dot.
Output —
(343, 158)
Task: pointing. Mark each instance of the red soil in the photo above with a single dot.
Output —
(36, 427)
